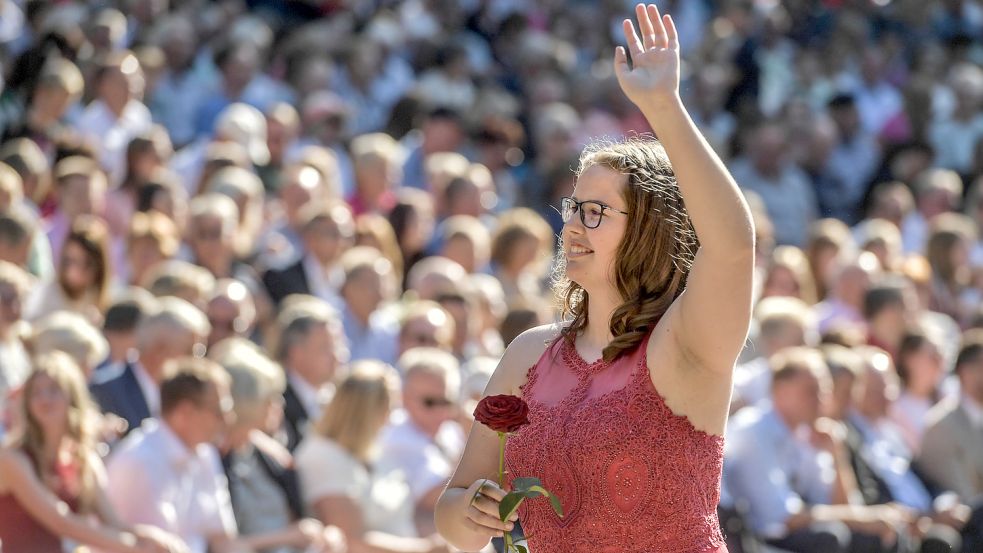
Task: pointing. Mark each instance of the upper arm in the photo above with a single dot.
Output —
(343, 512)
(30, 493)
(710, 319)
(480, 458)
(104, 507)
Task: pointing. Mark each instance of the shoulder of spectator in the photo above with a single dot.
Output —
(942, 414)
(107, 375)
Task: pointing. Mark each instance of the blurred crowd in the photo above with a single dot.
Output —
(258, 259)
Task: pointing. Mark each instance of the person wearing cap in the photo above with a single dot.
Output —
(117, 114)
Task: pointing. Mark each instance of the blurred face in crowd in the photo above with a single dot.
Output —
(368, 288)
(925, 367)
(121, 84)
(431, 329)
(800, 398)
(427, 401)
(227, 320)
(878, 389)
(375, 176)
(328, 238)
(10, 308)
(78, 270)
(460, 312)
(48, 404)
(81, 195)
(590, 252)
(211, 240)
(841, 399)
(781, 282)
(52, 101)
(768, 150)
(167, 345)
(143, 254)
(15, 253)
(315, 358)
(971, 378)
(460, 249)
(239, 69)
(937, 201)
(300, 186)
(442, 134)
(208, 419)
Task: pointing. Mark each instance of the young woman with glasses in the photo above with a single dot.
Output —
(629, 396)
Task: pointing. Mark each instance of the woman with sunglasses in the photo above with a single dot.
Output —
(629, 396)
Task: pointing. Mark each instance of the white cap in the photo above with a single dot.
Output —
(246, 126)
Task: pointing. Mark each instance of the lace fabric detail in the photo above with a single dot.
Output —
(632, 475)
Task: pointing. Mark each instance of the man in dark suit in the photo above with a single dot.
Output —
(311, 347)
(327, 231)
(130, 390)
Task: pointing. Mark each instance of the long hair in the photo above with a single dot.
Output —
(80, 424)
(359, 408)
(91, 234)
(655, 254)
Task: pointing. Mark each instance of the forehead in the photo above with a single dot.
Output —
(602, 184)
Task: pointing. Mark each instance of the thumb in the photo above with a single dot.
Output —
(620, 62)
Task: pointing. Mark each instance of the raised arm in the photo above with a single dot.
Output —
(710, 320)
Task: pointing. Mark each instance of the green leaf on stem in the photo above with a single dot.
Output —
(521, 549)
(510, 503)
(523, 483)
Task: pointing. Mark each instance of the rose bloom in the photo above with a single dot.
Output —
(502, 413)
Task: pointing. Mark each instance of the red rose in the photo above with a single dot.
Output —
(502, 413)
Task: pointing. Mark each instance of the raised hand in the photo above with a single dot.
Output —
(653, 77)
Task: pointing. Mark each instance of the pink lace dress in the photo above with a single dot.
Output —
(633, 477)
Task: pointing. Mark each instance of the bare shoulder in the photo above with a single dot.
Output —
(14, 466)
(524, 351)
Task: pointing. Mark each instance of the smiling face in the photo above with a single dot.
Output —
(591, 252)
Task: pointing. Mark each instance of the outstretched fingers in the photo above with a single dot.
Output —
(631, 38)
(658, 29)
(672, 36)
(645, 27)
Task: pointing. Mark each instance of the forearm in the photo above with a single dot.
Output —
(455, 528)
(83, 531)
(713, 200)
(856, 517)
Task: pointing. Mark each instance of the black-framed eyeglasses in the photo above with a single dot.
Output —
(591, 211)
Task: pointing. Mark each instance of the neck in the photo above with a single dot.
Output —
(178, 431)
(116, 109)
(237, 438)
(599, 309)
(313, 383)
(53, 440)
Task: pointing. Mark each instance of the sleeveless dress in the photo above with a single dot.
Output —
(632, 476)
(20, 533)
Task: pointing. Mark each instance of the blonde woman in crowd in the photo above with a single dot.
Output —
(345, 483)
(52, 482)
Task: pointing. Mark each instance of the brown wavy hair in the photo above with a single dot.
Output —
(655, 254)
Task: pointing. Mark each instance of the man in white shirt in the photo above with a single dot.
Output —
(117, 115)
(168, 473)
(174, 329)
(423, 439)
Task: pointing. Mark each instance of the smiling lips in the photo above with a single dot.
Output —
(576, 250)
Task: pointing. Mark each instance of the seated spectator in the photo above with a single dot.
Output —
(423, 437)
(301, 185)
(921, 368)
(434, 276)
(311, 348)
(947, 250)
(53, 484)
(346, 483)
(521, 251)
(165, 194)
(801, 506)
(14, 284)
(328, 230)
(844, 304)
(263, 486)
(17, 236)
(230, 311)
(84, 272)
(70, 333)
(369, 286)
(489, 302)
(782, 323)
(426, 324)
(412, 220)
(132, 391)
(152, 239)
(952, 446)
(192, 283)
(246, 190)
(937, 191)
(789, 275)
(168, 473)
(520, 317)
(465, 240)
(829, 243)
(80, 187)
(120, 325)
(883, 239)
(377, 159)
(374, 230)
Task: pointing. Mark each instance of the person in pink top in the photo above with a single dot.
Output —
(629, 396)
